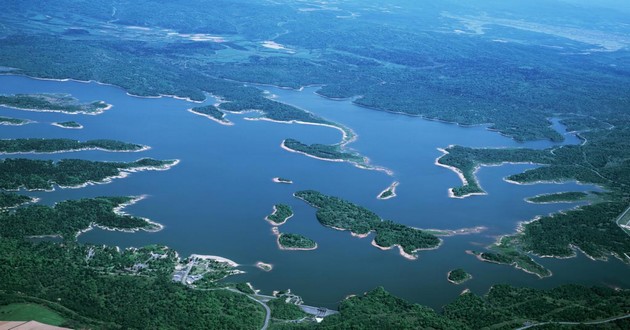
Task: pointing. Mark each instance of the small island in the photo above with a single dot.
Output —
(510, 257)
(458, 276)
(13, 121)
(389, 192)
(333, 153)
(287, 241)
(561, 197)
(264, 266)
(63, 103)
(211, 112)
(68, 124)
(281, 213)
(282, 180)
(34, 145)
(339, 214)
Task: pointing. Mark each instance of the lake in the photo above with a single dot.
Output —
(215, 200)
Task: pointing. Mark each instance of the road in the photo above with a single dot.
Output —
(267, 310)
(577, 323)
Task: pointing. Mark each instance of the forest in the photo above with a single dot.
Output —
(562, 197)
(13, 121)
(458, 276)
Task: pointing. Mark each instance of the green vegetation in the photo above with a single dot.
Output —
(10, 146)
(386, 194)
(458, 276)
(68, 218)
(281, 213)
(378, 309)
(340, 214)
(467, 160)
(210, 110)
(288, 241)
(69, 124)
(503, 307)
(562, 197)
(42, 174)
(8, 200)
(282, 310)
(13, 121)
(65, 279)
(508, 252)
(244, 287)
(324, 151)
(52, 102)
(30, 312)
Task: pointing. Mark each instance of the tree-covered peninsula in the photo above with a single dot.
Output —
(33, 145)
(9, 199)
(35, 174)
(64, 103)
(343, 215)
(281, 213)
(323, 151)
(68, 218)
(561, 197)
(212, 112)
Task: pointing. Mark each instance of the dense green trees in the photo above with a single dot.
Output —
(330, 152)
(458, 276)
(295, 242)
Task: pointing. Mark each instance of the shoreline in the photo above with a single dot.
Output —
(223, 122)
(391, 188)
(216, 258)
(400, 250)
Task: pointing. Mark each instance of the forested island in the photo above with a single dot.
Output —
(458, 276)
(339, 214)
(289, 241)
(32, 145)
(63, 103)
(281, 213)
(561, 197)
(68, 124)
(35, 174)
(212, 112)
(322, 151)
(389, 192)
(13, 121)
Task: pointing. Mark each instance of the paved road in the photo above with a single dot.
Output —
(577, 323)
(267, 317)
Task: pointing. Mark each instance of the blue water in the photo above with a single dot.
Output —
(215, 200)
